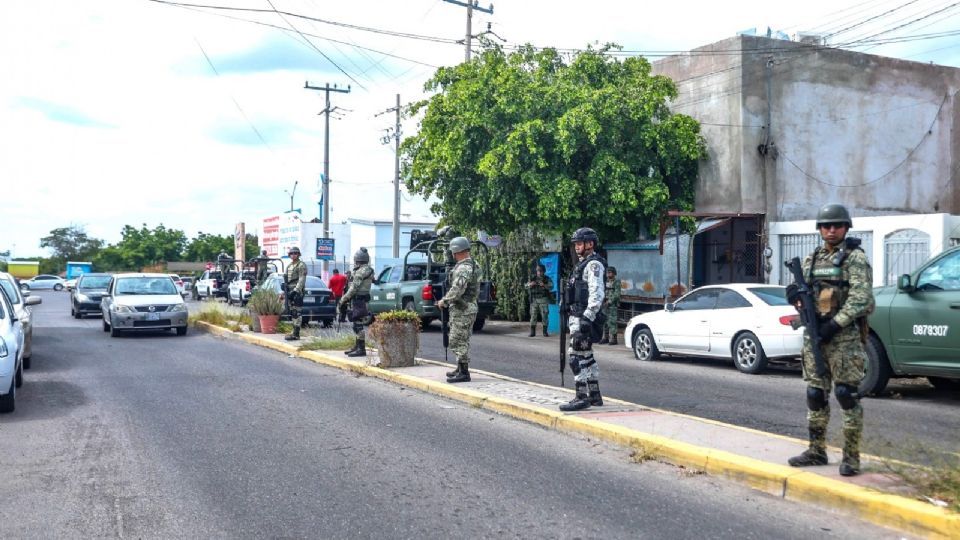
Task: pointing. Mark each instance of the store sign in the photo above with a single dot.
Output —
(325, 249)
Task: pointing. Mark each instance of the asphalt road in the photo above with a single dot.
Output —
(159, 436)
(912, 421)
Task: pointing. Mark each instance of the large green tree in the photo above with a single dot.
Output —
(206, 247)
(533, 139)
(141, 247)
(71, 244)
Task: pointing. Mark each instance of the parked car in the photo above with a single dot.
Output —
(11, 355)
(317, 299)
(748, 322)
(178, 282)
(187, 286)
(212, 284)
(239, 289)
(43, 281)
(86, 296)
(21, 301)
(915, 328)
(143, 302)
(70, 283)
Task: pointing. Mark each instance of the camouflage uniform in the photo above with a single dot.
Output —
(539, 287)
(357, 296)
(611, 302)
(296, 279)
(462, 299)
(844, 353)
(262, 267)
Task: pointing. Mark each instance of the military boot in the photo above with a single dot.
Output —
(613, 339)
(295, 335)
(533, 331)
(596, 399)
(816, 454)
(351, 349)
(582, 401)
(462, 374)
(454, 372)
(605, 339)
(850, 465)
(361, 349)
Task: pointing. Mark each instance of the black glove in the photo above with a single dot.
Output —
(793, 293)
(828, 330)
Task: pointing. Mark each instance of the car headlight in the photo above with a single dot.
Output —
(82, 298)
(120, 308)
(176, 308)
(3, 348)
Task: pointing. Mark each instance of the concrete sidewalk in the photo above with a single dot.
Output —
(745, 455)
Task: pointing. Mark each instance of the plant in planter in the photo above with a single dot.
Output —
(267, 307)
(397, 334)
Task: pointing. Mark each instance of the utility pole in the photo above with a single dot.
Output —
(326, 153)
(470, 5)
(295, 182)
(395, 136)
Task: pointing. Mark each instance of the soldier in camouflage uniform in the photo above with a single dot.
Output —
(357, 297)
(539, 287)
(611, 302)
(584, 296)
(295, 279)
(461, 299)
(841, 279)
(263, 269)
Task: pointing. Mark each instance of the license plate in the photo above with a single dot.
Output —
(309, 300)
(153, 316)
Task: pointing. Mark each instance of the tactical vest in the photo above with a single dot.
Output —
(577, 291)
(366, 276)
(472, 290)
(830, 280)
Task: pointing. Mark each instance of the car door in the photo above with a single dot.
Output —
(925, 323)
(383, 294)
(732, 313)
(686, 328)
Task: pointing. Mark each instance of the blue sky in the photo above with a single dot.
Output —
(122, 112)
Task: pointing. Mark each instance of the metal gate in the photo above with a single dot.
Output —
(903, 252)
(801, 245)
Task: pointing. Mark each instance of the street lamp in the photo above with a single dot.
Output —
(291, 193)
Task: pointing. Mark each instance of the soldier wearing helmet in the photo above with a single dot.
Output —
(295, 278)
(461, 300)
(357, 297)
(540, 288)
(584, 293)
(611, 302)
(840, 276)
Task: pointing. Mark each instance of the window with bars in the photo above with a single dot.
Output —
(903, 252)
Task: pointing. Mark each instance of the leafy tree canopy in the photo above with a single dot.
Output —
(206, 247)
(531, 138)
(141, 247)
(71, 244)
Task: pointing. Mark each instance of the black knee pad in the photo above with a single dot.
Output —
(846, 396)
(574, 362)
(357, 328)
(816, 398)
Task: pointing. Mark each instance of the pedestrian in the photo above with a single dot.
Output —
(295, 279)
(540, 289)
(840, 277)
(262, 267)
(337, 284)
(461, 300)
(611, 303)
(357, 296)
(585, 291)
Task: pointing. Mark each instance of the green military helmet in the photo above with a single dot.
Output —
(459, 244)
(612, 270)
(361, 256)
(834, 213)
(293, 250)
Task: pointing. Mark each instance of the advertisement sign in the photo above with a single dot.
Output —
(289, 232)
(239, 242)
(325, 249)
(270, 236)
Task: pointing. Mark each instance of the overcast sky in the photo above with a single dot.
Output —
(117, 112)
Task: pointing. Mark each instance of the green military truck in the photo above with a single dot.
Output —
(915, 330)
(418, 283)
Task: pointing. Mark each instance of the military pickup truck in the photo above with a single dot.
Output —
(915, 330)
(419, 282)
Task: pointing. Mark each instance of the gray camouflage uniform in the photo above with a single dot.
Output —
(462, 300)
(581, 350)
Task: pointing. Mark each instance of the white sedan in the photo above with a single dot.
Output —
(748, 322)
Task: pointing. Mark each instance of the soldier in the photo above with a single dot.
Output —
(295, 279)
(357, 296)
(841, 279)
(262, 266)
(584, 294)
(222, 265)
(539, 287)
(461, 299)
(611, 302)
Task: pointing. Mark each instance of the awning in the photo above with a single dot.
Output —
(710, 224)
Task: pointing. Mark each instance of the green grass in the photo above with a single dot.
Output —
(939, 481)
(215, 315)
(341, 342)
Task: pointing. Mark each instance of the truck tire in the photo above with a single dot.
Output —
(478, 324)
(877, 368)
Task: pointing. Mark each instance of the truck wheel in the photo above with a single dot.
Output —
(748, 354)
(478, 324)
(945, 384)
(877, 368)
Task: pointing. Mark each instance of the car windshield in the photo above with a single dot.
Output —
(772, 296)
(146, 285)
(94, 282)
(314, 282)
(10, 290)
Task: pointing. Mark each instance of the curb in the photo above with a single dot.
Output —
(884, 509)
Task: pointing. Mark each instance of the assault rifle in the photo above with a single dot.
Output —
(449, 262)
(808, 314)
(564, 316)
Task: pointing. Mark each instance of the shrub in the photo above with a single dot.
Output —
(265, 302)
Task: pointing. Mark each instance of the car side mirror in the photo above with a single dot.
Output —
(903, 283)
(32, 300)
(669, 306)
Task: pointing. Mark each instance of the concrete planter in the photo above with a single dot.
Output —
(397, 342)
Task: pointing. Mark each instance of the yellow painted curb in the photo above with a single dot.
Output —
(881, 508)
